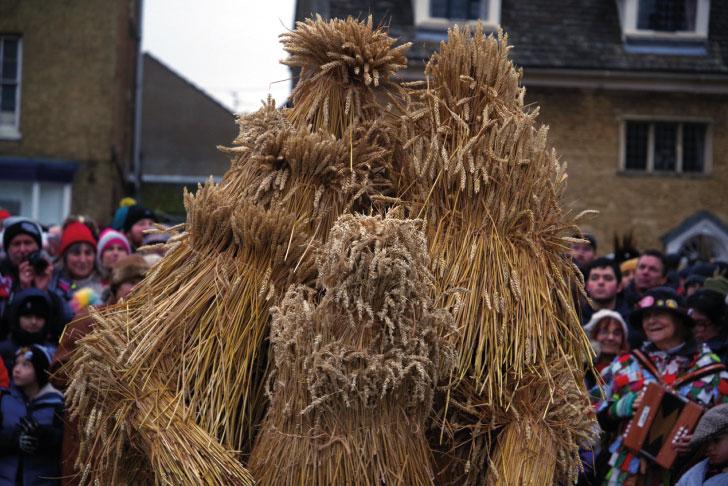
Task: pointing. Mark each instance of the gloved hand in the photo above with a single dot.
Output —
(27, 443)
(624, 407)
(29, 425)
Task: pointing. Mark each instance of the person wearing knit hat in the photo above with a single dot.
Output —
(712, 431)
(25, 265)
(709, 312)
(76, 266)
(628, 267)
(607, 333)
(29, 320)
(32, 427)
(112, 247)
(669, 355)
(117, 222)
(138, 219)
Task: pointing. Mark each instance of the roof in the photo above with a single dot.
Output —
(564, 34)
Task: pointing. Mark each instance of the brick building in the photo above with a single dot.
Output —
(635, 93)
(67, 105)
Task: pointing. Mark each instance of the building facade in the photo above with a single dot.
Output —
(67, 105)
(635, 93)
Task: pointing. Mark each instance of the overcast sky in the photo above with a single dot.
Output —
(227, 48)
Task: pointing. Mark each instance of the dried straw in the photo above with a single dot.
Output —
(341, 62)
(355, 369)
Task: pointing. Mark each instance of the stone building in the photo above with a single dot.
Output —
(67, 105)
(635, 93)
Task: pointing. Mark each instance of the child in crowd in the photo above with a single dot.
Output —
(712, 430)
(29, 322)
(32, 426)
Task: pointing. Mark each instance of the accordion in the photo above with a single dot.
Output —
(661, 418)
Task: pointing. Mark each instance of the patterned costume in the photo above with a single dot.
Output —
(625, 377)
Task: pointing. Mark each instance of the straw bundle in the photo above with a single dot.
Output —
(355, 369)
(125, 421)
(489, 189)
(342, 62)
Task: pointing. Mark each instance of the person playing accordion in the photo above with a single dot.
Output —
(670, 357)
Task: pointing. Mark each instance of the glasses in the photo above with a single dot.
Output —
(702, 322)
(606, 332)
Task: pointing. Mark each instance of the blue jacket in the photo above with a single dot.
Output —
(43, 467)
(696, 476)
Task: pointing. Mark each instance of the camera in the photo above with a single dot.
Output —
(38, 261)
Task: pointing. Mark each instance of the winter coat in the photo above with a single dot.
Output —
(41, 468)
(626, 375)
(696, 474)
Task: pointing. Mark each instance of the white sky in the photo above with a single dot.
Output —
(227, 48)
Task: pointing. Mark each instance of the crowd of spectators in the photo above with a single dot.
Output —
(653, 318)
(48, 279)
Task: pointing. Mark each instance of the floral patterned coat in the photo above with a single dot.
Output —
(626, 375)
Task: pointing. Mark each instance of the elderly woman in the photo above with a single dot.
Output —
(708, 310)
(669, 355)
(76, 266)
(607, 332)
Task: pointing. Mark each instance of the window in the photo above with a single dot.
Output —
(666, 15)
(665, 147)
(441, 14)
(664, 19)
(10, 60)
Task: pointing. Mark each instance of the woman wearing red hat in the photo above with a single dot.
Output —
(76, 267)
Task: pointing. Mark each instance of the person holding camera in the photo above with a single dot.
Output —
(26, 266)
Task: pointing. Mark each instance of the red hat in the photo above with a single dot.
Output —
(75, 233)
(4, 214)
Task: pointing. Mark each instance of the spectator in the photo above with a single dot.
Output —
(127, 273)
(32, 426)
(30, 320)
(584, 253)
(112, 247)
(708, 310)
(53, 240)
(76, 267)
(156, 239)
(120, 214)
(697, 276)
(25, 267)
(608, 333)
(670, 355)
(651, 272)
(628, 268)
(713, 431)
(138, 219)
(603, 282)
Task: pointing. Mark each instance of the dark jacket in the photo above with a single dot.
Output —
(43, 467)
(61, 312)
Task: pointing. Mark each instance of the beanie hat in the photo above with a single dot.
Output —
(32, 302)
(76, 233)
(40, 358)
(629, 265)
(598, 317)
(109, 237)
(661, 298)
(709, 302)
(120, 214)
(154, 238)
(719, 284)
(4, 214)
(128, 269)
(135, 213)
(712, 423)
(17, 225)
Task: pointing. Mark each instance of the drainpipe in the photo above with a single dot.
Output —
(137, 137)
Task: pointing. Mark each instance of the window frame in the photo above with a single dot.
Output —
(628, 10)
(11, 131)
(421, 10)
(680, 122)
